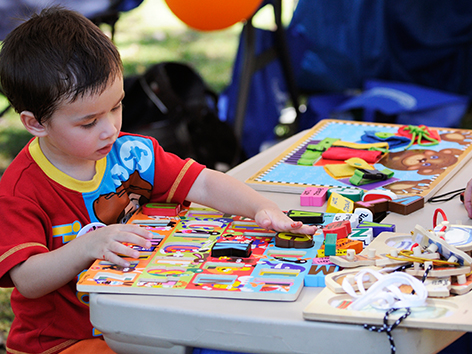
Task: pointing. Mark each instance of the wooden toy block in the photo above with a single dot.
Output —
(352, 218)
(313, 196)
(347, 244)
(377, 228)
(289, 240)
(350, 244)
(406, 205)
(161, 209)
(306, 197)
(375, 206)
(378, 194)
(354, 194)
(341, 228)
(364, 214)
(320, 253)
(365, 235)
(307, 217)
(330, 244)
(319, 196)
(339, 204)
(317, 274)
(429, 241)
(231, 249)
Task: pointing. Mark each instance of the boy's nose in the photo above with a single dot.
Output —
(110, 128)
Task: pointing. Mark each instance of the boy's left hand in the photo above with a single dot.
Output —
(275, 219)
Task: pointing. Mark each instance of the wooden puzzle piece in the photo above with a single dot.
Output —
(429, 241)
(161, 209)
(334, 281)
(459, 236)
(375, 206)
(341, 228)
(351, 260)
(439, 271)
(290, 240)
(354, 194)
(352, 218)
(307, 217)
(320, 253)
(438, 287)
(313, 196)
(461, 284)
(406, 205)
(319, 269)
(364, 235)
(223, 248)
(377, 228)
(378, 194)
(339, 204)
(452, 312)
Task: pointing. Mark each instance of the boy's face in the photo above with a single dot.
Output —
(84, 131)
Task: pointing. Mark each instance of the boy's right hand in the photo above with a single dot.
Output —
(107, 243)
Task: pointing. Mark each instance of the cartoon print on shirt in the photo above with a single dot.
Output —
(117, 207)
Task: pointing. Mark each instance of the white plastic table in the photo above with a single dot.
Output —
(170, 324)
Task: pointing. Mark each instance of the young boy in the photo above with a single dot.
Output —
(65, 79)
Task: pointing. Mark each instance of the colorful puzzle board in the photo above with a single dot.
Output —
(284, 175)
(180, 262)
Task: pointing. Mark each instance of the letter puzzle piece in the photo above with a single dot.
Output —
(161, 209)
(339, 204)
(377, 228)
(375, 206)
(313, 196)
(406, 205)
(226, 248)
(364, 235)
(289, 240)
(307, 217)
(340, 228)
(320, 268)
(354, 194)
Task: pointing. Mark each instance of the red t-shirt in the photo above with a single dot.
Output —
(43, 208)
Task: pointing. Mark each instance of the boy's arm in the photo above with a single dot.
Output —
(45, 272)
(227, 194)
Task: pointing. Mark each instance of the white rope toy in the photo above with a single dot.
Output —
(385, 293)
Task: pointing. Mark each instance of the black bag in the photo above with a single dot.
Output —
(172, 103)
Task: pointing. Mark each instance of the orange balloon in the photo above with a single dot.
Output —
(210, 15)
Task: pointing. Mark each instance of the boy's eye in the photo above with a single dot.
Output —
(118, 107)
(89, 125)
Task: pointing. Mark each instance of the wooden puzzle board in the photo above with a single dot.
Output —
(450, 312)
(284, 175)
(180, 263)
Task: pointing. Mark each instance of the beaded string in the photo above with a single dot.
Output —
(388, 329)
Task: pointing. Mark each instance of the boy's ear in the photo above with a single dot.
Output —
(32, 125)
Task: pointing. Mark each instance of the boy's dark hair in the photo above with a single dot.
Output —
(55, 56)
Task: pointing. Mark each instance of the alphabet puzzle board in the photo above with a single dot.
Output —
(420, 170)
(180, 262)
